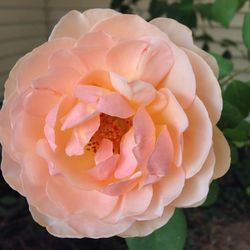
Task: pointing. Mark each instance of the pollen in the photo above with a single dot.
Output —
(111, 128)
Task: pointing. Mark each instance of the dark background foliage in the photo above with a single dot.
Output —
(223, 222)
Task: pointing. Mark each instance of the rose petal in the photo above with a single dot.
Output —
(222, 154)
(114, 104)
(61, 80)
(196, 188)
(144, 228)
(11, 172)
(162, 156)
(182, 36)
(206, 83)
(75, 24)
(199, 130)
(138, 92)
(181, 79)
(144, 133)
(165, 191)
(104, 151)
(127, 161)
(141, 59)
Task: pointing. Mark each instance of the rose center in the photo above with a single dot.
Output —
(111, 128)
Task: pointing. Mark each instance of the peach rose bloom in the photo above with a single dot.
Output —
(111, 125)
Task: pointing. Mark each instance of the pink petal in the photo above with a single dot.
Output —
(104, 169)
(127, 161)
(146, 227)
(123, 186)
(61, 80)
(181, 79)
(25, 133)
(144, 132)
(138, 92)
(162, 156)
(165, 192)
(197, 187)
(52, 117)
(96, 39)
(11, 171)
(92, 227)
(114, 104)
(104, 151)
(131, 204)
(81, 136)
(75, 24)
(73, 168)
(36, 64)
(64, 58)
(141, 59)
(94, 58)
(74, 198)
(124, 26)
(89, 93)
(39, 102)
(208, 88)
(199, 130)
(174, 116)
(182, 36)
(77, 115)
(222, 154)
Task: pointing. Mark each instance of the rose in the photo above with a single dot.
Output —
(111, 124)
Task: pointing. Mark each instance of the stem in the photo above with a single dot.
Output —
(236, 73)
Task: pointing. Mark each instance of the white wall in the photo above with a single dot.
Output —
(24, 24)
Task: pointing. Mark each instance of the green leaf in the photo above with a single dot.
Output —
(224, 10)
(205, 10)
(239, 133)
(230, 116)
(238, 94)
(172, 236)
(184, 13)
(212, 194)
(234, 154)
(246, 30)
(157, 8)
(225, 65)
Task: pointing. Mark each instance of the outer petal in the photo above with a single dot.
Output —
(197, 187)
(77, 201)
(182, 36)
(222, 154)
(197, 138)
(207, 86)
(36, 63)
(124, 26)
(90, 226)
(56, 227)
(144, 228)
(148, 59)
(131, 204)
(75, 24)
(11, 172)
(181, 79)
(165, 191)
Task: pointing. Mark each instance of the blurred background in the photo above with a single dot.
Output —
(223, 223)
(24, 24)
